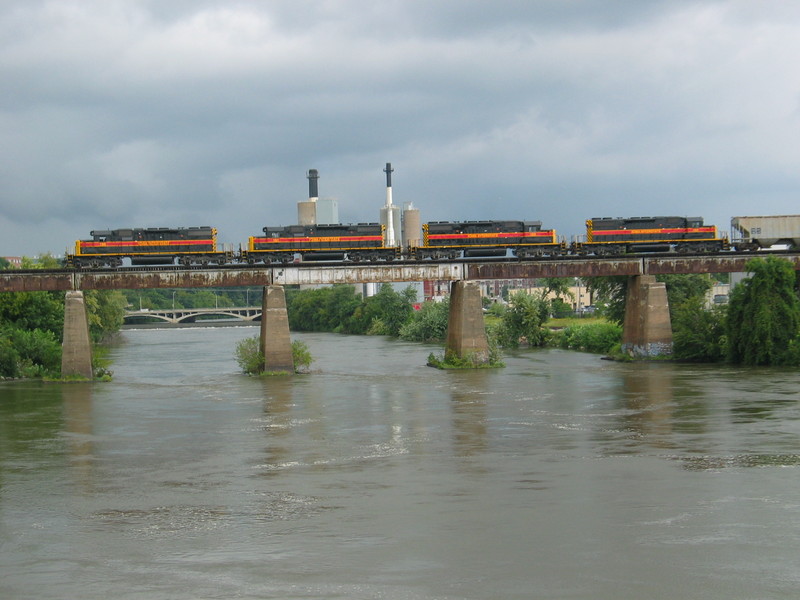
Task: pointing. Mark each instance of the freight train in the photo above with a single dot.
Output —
(441, 240)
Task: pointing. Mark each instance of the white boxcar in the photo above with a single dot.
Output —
(752, 233)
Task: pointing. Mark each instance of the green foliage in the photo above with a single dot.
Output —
(301, 356)
(451, 361)
(249, 356)
(339, 309)
(524, 319)
(428, 324)
(105, 312)
(251, 360)
(9, 358)
(43, 261)
(609, 296)
(322, 309)
(29, 353)
(390, 308)
(33, 310)
(763, 318)
(593, 337)
(681, 288)
(698, 333)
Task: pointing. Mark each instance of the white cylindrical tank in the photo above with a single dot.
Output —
(397, 227)
(307, 212)
(412, 226)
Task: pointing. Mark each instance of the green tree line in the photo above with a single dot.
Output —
(759, 326)
(32, 324)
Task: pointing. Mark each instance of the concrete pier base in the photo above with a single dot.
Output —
(466, 334)
(647, 330)
(275, 342)
(76, 349)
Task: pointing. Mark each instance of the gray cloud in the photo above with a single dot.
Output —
(145, 113)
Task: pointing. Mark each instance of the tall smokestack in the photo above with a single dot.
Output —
(313, 188)
(390, 241)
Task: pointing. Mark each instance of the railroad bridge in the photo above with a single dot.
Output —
(646, 330)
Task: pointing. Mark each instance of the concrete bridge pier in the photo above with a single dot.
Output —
(76, 348)
(275, 342)
(647, 330)
(466, 333)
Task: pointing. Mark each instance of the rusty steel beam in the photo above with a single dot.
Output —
(583, 267)
(32, 281)
(368, 273)
(664, 265)
(132, 280)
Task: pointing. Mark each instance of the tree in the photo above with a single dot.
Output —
(105, 311)
(385, 312)
(698, 333)
(428, 324)
(609, 296)
(560, 288)
(764, 315)
(681, 288)
(523, 319)
(33, 310)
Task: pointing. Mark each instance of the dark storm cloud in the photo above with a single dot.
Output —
(148, 113)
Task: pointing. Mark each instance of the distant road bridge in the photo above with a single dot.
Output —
(321, 273)
(190, 315)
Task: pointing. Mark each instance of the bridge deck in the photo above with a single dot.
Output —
(319, 273)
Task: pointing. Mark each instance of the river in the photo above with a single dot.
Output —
(561, 476)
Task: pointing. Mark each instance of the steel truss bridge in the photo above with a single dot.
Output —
(330, 273)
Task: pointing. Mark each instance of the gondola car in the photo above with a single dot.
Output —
(456, 239)
(354, 242)
(151, 246)
(615, 236)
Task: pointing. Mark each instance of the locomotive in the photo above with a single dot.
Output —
(608, 236)
(151, 246)
(442, 240)
(362, 241)
(454, 239)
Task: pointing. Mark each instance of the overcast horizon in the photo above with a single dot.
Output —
(140, 113)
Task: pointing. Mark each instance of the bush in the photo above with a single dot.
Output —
(9, 358)
(699, 334)
(524, 319)
(251, 359)
(249, 356)
(594, 337)
(428, 324)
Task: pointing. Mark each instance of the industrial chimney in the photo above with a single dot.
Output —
(390, 215)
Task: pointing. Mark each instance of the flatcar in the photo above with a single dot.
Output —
(150, 246)
(353, 242)
(456, 239)
(615, 236)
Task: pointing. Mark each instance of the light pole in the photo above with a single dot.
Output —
(173, 299)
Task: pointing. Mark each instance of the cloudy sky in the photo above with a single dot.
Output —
(152, 113)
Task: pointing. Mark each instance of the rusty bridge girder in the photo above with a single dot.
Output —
(311, 274)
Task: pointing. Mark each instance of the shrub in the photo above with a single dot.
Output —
(251, 359)
(594, 337)
(428, 324)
